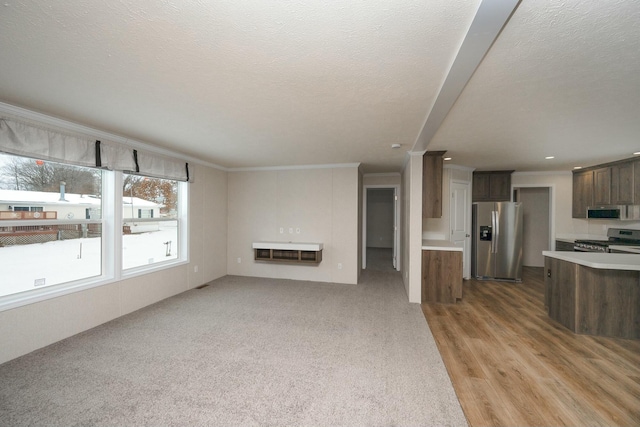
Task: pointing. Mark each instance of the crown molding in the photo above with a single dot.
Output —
(381, 174)
(294, 167)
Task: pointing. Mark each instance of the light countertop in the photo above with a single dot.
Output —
(439, 245)
(604, 261)
(288, 246)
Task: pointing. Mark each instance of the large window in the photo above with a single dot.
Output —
(45, 239)
(64, 226)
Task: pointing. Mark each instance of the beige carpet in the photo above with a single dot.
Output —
(244, 351)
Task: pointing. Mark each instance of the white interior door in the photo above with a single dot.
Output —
(460, 213)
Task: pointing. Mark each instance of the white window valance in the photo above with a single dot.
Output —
(29, 139)
(39, 142)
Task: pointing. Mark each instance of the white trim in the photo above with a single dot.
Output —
(469, 225)
(295, 167)
(394, 174)
(409, 155)
(398, 210)
(552, 208)
(114, 224)
(99, 134)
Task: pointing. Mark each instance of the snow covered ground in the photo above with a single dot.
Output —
(27, 267)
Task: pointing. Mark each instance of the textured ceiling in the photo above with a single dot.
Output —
(251, 83)
(562, 80)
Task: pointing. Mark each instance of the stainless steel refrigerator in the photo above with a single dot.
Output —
(497, 241)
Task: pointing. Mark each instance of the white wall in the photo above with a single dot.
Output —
(411, 227)
(33, 326)
(440, 228)
(322, 203)
(379, 179)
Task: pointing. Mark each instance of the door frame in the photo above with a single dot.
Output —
(552, 208)
(396, 220)
(467, 253)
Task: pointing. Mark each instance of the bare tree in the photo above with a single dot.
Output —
(38, 175)
(10, 172)
(156, 190)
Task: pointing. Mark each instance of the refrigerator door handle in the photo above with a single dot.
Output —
(495, 232)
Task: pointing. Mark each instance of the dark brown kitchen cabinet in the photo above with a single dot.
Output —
(615, 183)
(564, 246)
(622, 183)
(441, 276)
(593, 301)
(602, 186)
(492, 186)
(432, 166)
(582, 193)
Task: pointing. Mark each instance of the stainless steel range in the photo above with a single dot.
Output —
(617, 236)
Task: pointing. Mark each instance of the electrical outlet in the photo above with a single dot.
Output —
(39, 282)
(239, 260)
(195, 269)
(281, 230)
(339, 266)
(298, 230)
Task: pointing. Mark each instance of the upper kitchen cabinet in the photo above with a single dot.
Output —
(492, 186)
(616, 183)
(432, 165)
(602, 186)
(622, 183)
(582, 193)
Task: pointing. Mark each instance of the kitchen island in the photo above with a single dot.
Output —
(441, 271)
(594, 293)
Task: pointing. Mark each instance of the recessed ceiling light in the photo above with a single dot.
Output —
(577, 167)
(395, 146)
(447, 158)
(549, 157)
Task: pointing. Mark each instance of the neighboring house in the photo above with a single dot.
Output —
(39, 205)
(73, 206)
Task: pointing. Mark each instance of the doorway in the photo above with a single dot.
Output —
(536, 227)
(460, 222)
(380, 228)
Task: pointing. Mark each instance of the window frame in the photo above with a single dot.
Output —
(183, 223)
(111, 257)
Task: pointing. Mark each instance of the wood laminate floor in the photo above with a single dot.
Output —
(512, 365)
